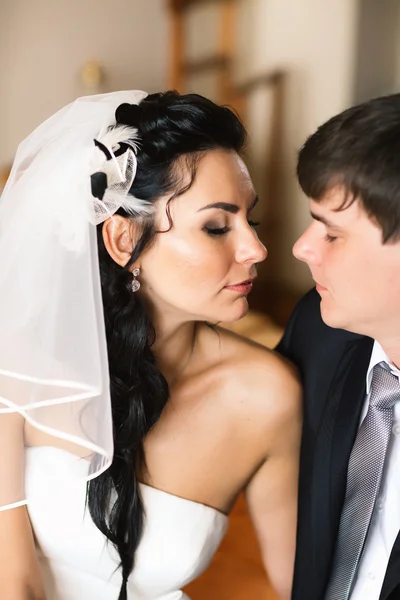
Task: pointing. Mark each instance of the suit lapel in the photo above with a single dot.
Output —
(336, 435)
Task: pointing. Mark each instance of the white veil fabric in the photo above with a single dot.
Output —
(53, 354)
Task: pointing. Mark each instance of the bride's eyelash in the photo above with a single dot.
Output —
(215, 231)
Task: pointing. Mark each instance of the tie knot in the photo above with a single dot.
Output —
(385, 388)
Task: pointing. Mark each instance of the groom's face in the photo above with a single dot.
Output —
(357, 276)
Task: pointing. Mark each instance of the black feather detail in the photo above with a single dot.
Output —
(99, 184)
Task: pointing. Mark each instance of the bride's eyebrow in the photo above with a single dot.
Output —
(231, 208)
(228, 207)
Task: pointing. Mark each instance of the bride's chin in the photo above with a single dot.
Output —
(237, 310)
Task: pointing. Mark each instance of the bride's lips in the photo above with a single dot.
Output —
(244, 287)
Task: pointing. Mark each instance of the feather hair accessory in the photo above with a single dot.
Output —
(113, 172)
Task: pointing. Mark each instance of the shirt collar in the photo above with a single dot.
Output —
(379, 355)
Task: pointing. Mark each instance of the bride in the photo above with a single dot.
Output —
(129, 421)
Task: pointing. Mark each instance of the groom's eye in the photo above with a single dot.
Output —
(330, 238)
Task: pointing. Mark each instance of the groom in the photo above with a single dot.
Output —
(344, 337)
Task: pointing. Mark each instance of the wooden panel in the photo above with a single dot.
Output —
(176, 77)
(185, 4)
(227, 49)
(209, 63)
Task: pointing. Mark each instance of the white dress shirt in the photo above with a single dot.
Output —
(385, 523)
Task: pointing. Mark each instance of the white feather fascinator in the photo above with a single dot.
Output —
(115, 166)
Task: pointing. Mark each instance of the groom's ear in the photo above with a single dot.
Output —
(120, 235)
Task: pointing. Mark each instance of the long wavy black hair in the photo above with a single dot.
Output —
(175, 131)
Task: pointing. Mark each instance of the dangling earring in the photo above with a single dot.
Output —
(135, 282)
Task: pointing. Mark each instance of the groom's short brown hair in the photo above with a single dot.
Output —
(358, 149)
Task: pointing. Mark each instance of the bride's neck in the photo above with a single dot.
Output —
(174, 347)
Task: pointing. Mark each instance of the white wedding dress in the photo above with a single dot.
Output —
(179, 540)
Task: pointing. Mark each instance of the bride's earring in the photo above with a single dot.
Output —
(135, 282)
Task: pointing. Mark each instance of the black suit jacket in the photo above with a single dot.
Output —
(333, 365)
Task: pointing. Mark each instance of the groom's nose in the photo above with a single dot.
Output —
(305, 248)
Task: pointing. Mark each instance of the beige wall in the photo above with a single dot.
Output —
(44, 44)
(378, 49)
(315, 42)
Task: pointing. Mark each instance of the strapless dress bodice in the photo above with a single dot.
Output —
(179, 539)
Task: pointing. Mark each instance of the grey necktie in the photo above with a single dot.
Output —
(364, 475)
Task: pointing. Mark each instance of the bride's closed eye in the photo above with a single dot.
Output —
(214, 230)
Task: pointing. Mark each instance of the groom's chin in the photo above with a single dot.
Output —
(332, 315)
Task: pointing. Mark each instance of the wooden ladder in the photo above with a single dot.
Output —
(219, 62)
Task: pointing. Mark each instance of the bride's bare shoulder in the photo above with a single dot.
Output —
(247, 368)
(262, 389)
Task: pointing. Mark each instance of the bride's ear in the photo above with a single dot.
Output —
(120, 235)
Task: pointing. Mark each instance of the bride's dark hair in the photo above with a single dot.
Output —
(175, 131)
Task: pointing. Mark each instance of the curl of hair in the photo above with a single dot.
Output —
(171, 127)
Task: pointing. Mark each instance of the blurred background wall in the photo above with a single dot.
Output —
(328, 54)
(45, 45)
